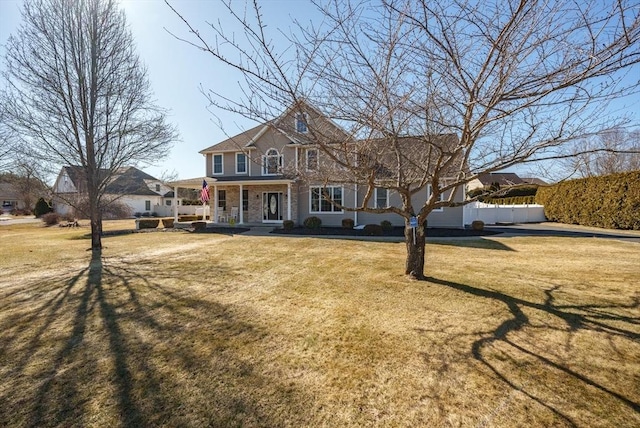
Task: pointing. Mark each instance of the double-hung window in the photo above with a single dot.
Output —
(245, 200)
(319, 202)
(222, 200)
(311, 159)
(381, 197)
(241, 163)
(442, 198)
(217, 164)
(301, 123)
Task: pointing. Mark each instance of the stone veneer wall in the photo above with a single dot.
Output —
(255, 201)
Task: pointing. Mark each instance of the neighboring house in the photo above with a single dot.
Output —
(138, 191)
(534, 180)
(495, 179)
(10, 197)
(252, 178)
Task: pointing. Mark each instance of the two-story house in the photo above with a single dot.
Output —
(134, 189)
(265, 175)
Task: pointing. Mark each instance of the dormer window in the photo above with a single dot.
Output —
(271, 162)
(301, 123)
(157, 188)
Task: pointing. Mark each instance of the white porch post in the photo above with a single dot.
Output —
(288, 201)
(175, 204)
(215, 201)
(241, 210)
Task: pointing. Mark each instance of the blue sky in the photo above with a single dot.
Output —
(177, 71)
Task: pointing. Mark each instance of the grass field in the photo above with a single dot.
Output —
(181, 329)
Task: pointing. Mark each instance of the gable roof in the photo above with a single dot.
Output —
(534, 180)
(501, 178)
(238, 142)
(126, 180)
(284, 124)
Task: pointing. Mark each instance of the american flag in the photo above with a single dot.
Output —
(204, 195)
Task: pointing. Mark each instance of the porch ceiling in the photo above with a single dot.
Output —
(196, 183)
(191, 183)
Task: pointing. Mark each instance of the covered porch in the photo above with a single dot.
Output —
(250, 201)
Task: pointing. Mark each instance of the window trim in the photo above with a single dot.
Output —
(321, 195)
(375, 197)
(442, 198)
(245, 163)
(213, 164)
(280, 159)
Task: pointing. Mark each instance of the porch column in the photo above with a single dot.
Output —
(289, 201)
(240, 210)
(215, 204)
(175, 204)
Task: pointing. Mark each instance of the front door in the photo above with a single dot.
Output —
(271, 206)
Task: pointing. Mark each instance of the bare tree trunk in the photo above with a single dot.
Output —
(96, 229)
(415, 242)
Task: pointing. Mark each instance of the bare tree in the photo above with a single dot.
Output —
(28, 184)
(78, 94)
(609, 152)
(433, 92)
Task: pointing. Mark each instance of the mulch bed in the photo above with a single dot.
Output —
(396, 232)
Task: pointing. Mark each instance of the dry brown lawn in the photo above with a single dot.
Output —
(182, 329)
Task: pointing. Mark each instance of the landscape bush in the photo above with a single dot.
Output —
(42, 207)
(372, 230)
(167, 223)
(50, 219)
(288, 224)
(348, 223)
(188, 218)
(611, 201)
(477, 225)
(18, 211)
(312, 222)
(199, 225)
(148, 223)
(386, 225)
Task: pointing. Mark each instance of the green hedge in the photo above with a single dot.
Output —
(612, 201)
(514, 200)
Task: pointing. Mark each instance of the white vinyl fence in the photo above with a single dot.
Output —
(492, 214)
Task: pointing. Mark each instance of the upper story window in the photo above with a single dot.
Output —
(271, 162)
(311, 159)
(241, 163)
(381, 197)
(301, 123)
(157, 187)
(442, 198)
(217, 164)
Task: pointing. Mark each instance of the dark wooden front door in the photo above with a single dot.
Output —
(272, 206)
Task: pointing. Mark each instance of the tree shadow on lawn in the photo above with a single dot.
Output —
(479, 243)
(124, 349)
(576, 318)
